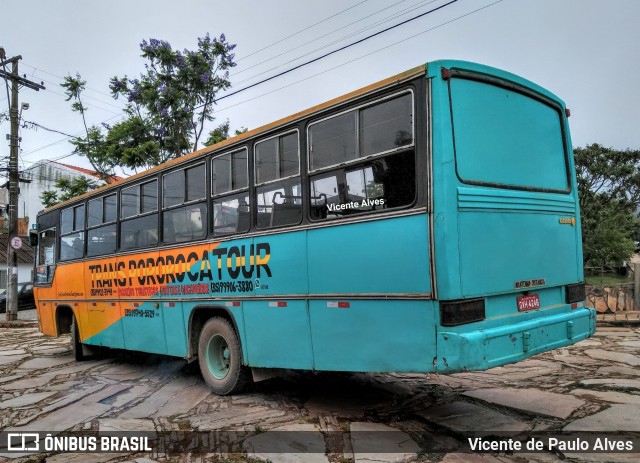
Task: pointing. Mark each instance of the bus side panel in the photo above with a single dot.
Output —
(386, 257)
(277, 330)
(143, 321)
(373, 335)
(175, 332)
(277, 333)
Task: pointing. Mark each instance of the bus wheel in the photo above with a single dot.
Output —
(220, 357)
(76, 345)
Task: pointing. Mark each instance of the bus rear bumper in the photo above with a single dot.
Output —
(482, 349)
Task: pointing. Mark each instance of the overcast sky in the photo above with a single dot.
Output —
(585, 51)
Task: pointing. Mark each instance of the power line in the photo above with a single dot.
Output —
(233, 74)
(332, 52)
(301, 65)
(397, 14)
(360, 57)
(301, 30)
(35, 124)
(319, 73)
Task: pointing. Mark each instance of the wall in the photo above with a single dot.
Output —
(610, 298)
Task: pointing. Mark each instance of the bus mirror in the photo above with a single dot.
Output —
(33, 238)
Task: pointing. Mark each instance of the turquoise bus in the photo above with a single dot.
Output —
(426, 223)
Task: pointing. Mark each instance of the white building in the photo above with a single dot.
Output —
(42, 176)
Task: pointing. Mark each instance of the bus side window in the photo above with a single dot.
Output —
(138, 216)
(371, 172)
(230, 191)
(46, 257)
(279, 191)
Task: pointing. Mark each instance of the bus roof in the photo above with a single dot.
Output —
(388, 82)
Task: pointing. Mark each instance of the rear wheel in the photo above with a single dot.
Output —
(220, 357)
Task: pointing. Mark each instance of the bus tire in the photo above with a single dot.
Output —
(76, 345)
(220, 357)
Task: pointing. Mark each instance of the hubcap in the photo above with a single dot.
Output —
(218, 356)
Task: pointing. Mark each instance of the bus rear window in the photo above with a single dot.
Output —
(505, 138)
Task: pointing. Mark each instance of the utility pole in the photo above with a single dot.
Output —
(14, 189)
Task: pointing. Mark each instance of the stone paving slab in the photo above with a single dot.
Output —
(6, 360)
(131, 424)
(466, 417)
(468, 458)
(618, 370)
(28, 383)
(38, 363)
(530, 400)
(613, 383)
(288, 444)
(85, 457)
(393, 444)
(608, 396)
(152, 404)
(84, 410)
(616, 418)
(187, 399)
(4, 353)
(26, 399)
(352, 405)
(233, 417)
(621, 357)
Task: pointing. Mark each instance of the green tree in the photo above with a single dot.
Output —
(609, 194)
(68, 188)
(221, 133)
(167, 107)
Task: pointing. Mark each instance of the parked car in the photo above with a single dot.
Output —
(25, 297)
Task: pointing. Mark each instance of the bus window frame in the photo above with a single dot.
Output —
(122, 220)
(74, 231)
(88, 228)
(255, 160)
(283, 180)
(364, 105)
(211, 176)
(184, 169)
(56, 258)
(233, 192)
(184, 204)
(348, 166)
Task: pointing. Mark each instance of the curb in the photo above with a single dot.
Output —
(631, 318)
(19, 324)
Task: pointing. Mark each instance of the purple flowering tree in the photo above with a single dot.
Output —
(168, 106)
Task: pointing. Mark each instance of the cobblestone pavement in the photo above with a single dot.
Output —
(592, 386)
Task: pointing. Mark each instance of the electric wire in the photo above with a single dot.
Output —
(314, 60)
(314, 75)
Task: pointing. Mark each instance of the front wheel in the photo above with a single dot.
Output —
(76, 345)
(220, 357)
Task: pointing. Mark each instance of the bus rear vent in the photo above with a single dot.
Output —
(461, 311)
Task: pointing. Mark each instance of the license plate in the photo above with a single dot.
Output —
(528, 302)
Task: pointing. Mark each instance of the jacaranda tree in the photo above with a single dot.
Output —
(167, 107)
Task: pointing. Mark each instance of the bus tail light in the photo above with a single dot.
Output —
(461, 311)
(575, 293)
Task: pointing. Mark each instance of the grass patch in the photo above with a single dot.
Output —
(607, 279)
